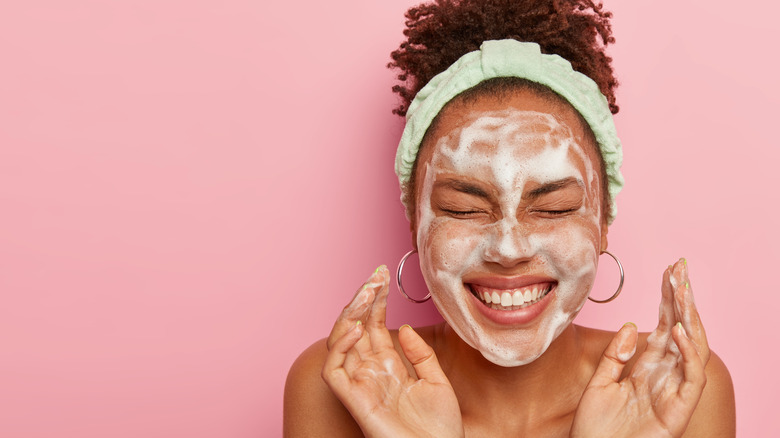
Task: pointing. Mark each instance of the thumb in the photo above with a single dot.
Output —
(421, 355)
(619, 351)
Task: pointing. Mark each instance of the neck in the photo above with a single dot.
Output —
(548, 388)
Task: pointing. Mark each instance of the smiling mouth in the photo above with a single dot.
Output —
(511, 299)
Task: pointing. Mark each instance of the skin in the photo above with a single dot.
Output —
(537, 215)
(434, 382)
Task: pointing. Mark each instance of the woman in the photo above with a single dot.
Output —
(509, 165)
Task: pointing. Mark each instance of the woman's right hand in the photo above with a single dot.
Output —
(658, 396)
(366, 373)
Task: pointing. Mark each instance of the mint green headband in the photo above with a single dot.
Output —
(512, 58)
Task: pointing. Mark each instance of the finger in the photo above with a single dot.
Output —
(352, 361)
(658, 341)
(333, 371)
(619, 351)
(679, 283)
(694, 377)
(371, 336)
(359, 352)
(421, 356)
(666, 311)
(363, 346)
(689, 315)
(376, 325)
(356, 310)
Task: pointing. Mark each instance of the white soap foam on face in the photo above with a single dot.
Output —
(506, 150)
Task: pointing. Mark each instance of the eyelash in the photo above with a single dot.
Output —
(460, 212)
(468, 212)
(557, 212)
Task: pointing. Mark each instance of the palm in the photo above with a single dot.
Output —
(646, 401)
(382, 391)
(365, 371)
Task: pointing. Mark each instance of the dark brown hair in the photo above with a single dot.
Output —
(440, 32)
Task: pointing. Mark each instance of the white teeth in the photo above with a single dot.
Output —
(506, 299)
(512, 300)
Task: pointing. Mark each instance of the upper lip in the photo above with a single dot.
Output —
(515, 282)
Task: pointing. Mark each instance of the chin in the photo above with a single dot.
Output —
(510, 344)
(513, 352)
(508, 357)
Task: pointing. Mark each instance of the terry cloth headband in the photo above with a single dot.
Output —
(512, 58)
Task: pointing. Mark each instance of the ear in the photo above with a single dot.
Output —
(604, 231)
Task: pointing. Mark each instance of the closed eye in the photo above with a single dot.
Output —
(558, 212)
(460, 212)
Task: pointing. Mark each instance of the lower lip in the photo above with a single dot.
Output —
(514, 317)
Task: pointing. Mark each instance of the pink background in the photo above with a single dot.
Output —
(190, 191)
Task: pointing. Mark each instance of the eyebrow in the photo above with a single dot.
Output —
(552, 187)
(464, 187)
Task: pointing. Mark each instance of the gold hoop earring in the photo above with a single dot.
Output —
(398, 273)
(620, 286)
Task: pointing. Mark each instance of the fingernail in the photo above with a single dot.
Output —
(685, 262)
(359, 323)
(629, 323)
(405, 325)
(687, 286)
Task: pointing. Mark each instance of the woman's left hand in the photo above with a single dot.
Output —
(660, 394)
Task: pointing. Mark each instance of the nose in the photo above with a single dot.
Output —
(508, 244)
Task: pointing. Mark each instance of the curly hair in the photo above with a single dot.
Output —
(440, 32)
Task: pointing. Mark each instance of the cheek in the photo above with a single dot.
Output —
(571, 250)
(450, 245)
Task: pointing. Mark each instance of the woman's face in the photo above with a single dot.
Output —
(508, 222)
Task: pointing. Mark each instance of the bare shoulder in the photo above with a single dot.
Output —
(310, 408)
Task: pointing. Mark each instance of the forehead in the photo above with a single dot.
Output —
(459, 111)
(520, 130)
(509, 137)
